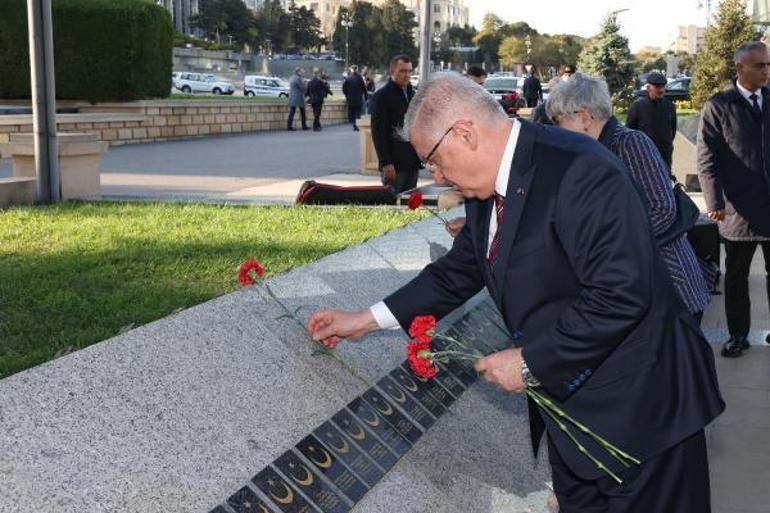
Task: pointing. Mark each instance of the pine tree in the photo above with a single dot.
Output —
(609, 57)
(714, 67)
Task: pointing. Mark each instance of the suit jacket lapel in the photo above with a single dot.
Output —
(522, 171)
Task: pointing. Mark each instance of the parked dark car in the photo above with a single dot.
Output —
(677, 89)
(507, 91)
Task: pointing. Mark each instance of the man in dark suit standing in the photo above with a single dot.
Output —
(655, 115)
(734, 170)
(355, 93)
(557, 233)
(532, 90)
(317, 91)
(398, 162)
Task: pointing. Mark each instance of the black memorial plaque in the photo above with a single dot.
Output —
(489, 334)
(398, 420)
(406, 401)
(246, 501)
(432, 387)
(351, 455)
(281, 493)
(419, 389)
(376, 423)
(364, 439)
(461, 369)
(449, 381)
(304, 479)
(324, 462)
(219, 509)
(470, 335)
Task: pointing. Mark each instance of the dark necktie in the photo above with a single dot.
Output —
(755, 105)
(493, 246)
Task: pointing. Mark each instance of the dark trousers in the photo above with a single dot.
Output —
(738, 256)
(404, 181)
(292, 110)
(676, 481)
(532, 101)
(354, 112)
(317, 115)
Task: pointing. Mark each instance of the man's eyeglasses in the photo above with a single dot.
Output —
(426, 162)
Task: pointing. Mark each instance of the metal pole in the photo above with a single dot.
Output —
(40, 23)
(425, 40)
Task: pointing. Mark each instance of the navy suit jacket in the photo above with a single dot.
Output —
(578, 275)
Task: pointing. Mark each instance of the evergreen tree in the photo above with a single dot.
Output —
(273, 27)
(714, 67)
(304, 27)
(222, 18)
(398, 24)
(609, 57)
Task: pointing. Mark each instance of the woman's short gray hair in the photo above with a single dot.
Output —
(578, 93)
(446, 98)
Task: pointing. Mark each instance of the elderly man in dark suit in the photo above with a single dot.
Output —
(399, 164)
(734, 170)
(655, 115)
(354, 89)
(557, 233)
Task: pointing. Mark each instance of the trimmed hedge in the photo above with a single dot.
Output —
(104, 50)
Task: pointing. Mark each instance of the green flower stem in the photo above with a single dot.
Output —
(460, 344)
(617, 453)
(601, 466)
(436, 214)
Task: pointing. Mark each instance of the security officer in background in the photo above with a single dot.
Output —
(655, 115)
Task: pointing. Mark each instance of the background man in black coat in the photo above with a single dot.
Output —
(734, 170)
(355, 93)
(532, 90)
(317, 89)
(557, 233)
(655, 115)
(399, 164)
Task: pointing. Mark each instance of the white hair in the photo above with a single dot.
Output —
(446, 98)
(578, 93)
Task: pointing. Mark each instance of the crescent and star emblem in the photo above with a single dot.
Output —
(397, 394)
(342, 450)
(388, 411)
(304, 482)
(287, 499)
(326, 462)
(358, 435)
(373, 423)
(408, 383)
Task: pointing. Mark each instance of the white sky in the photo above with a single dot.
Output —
(647, 23)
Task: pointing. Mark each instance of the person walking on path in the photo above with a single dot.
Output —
(297, 92)
(354, 90)
(655, 115)
(399, 164)
(734, 171)
(477, 74)
(317, 90)
(369, 83)
(558, 235)
(532, 90)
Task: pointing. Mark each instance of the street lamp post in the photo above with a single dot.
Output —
(347, 23)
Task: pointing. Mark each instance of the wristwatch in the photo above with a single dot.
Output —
(529, 380)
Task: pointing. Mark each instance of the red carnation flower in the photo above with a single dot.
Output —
(423, 328)
(415, 200)
(244, 272)
(418, 357)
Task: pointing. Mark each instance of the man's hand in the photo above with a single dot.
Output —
(389, 172)
(716, 215)
(503, 369)
(331, 326)
(454, 226)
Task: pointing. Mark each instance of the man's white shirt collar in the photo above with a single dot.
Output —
(746, 93)
(504, 171)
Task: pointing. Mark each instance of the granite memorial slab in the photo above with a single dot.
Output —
(381, 427)
(350, 454)
(332, 468)
(406, 401)
(281, 492)
(399, 421)
(311, 485)
(365, 440)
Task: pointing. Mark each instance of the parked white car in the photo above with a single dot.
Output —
(260, 85)
(202, 83)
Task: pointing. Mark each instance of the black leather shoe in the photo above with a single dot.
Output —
(767, 339)
(735, 347)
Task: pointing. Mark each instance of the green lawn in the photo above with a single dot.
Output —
(77, 273)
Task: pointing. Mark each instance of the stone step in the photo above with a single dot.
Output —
(17, 190)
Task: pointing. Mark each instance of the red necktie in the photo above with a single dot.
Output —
(493, 246)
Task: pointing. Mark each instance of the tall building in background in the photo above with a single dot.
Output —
(254, 5)
(181, 12)
(444, 13)
(689, 39)
(760, 13)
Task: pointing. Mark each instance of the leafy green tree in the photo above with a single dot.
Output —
(224, 19)
(512, 50)
(459, 36)
(273, 27)
(647, 61)
(304, 28)
(714, 67)
(397, 29)
(609, 57)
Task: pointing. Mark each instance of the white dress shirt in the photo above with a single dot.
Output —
(381, 313)
(746, 93)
